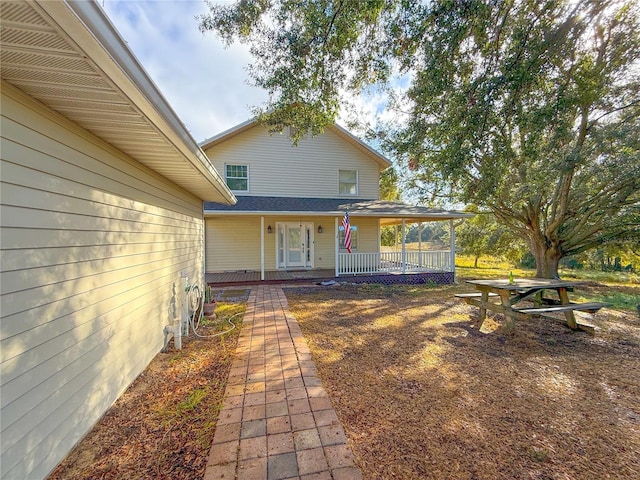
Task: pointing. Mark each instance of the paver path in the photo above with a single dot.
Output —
(277, 421)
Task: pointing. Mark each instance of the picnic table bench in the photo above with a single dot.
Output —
(513, 293)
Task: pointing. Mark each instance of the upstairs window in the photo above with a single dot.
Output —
(348, 182)
(237, 177)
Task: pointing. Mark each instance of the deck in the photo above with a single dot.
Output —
(279, 276)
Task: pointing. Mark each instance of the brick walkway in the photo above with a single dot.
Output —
(277, 421)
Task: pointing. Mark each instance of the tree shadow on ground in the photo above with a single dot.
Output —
(424, 394)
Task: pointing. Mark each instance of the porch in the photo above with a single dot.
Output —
(303, 239)
(273, 276)
(411, 267)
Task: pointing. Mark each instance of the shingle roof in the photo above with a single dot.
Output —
(329, 207)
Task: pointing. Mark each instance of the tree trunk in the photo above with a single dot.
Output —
(547, 260)
(475, 263)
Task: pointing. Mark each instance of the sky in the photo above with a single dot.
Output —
(205, 83)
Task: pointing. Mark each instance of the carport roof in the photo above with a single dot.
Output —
(388, 212)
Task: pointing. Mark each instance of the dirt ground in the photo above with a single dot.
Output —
(423, 394)
(162, 427)
(420, 391)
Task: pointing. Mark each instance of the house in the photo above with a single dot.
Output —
(101, 225)
(291, 202)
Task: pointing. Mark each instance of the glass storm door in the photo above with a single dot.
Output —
(294, 245)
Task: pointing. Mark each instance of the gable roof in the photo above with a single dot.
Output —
(69, 56)
(382, 161)
(389, 212)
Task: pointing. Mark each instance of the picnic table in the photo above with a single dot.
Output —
(511, 294)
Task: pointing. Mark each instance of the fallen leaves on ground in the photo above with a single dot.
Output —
(162, 427)
(423, 394)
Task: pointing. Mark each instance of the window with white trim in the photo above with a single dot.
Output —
(347, 182)
(237, 177)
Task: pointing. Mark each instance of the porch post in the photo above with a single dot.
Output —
(261, 248)
(395, 238)
(336, 244)
(404, 249)
(452, 246)
(420, 245)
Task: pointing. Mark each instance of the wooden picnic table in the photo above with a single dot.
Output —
(513, 293)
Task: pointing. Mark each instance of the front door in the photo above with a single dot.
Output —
(295, 245)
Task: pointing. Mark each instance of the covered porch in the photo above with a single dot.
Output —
(291, 239)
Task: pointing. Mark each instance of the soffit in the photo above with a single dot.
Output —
(87, 74)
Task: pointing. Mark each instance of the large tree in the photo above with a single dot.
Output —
(482, 235)
(528, 108)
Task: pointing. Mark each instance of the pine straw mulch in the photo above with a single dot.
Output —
(162, 427)
(423, 394)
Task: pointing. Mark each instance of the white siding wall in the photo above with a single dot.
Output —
(92, 248)
(233, 242)
(279, 169)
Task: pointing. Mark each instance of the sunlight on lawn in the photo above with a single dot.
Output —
(489, 267)
(430, 357)
(555, 384)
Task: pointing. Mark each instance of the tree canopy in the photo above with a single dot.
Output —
(528, 108)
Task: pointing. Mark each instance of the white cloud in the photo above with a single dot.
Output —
(205, 83)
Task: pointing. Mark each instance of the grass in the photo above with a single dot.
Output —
(489, 267)
(622, 278)
(618, 289)
(616, 299)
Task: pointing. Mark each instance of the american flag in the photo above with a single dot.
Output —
(347, 232)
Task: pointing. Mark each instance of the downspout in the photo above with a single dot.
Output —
(204, 248)
(262, 248)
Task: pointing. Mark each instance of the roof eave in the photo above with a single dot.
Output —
(337, 213)
(88, 27)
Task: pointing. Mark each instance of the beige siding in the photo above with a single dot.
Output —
(279, 169)
(93, 245)
(368, 234)
(233, 242)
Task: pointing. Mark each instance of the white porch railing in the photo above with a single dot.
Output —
(392, 262)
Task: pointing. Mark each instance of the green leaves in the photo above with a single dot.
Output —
(306, 52)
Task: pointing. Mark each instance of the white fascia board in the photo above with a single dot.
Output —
(253, 213)
(383, 161)
(228, 133)
(88, 27)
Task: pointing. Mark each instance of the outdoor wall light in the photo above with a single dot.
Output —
(269, 229)
(319, 228)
